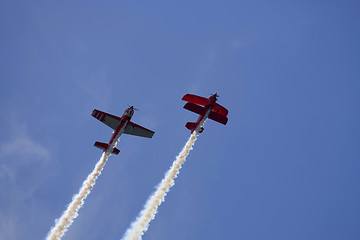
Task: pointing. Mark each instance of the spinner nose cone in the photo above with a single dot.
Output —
(215, 95)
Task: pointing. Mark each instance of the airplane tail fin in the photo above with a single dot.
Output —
(104, 147)
(192, 126)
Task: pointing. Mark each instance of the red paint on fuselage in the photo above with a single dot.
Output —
(125, 118)
(210, 105)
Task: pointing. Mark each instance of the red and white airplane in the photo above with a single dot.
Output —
(120, 125)
(201, 106)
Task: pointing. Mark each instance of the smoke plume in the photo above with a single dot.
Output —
(71, 212)
(140, 226)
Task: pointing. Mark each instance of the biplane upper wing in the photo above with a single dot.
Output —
(220, 110)
(196, 99)
(203, 102)
(110, 120)
(134, 129)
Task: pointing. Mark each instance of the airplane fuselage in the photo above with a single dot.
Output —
(208, 107)
(117, 133)
(125, 118)
(120, 125)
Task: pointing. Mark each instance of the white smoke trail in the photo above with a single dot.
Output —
(140, 226)
(62, 224)
(71, 212)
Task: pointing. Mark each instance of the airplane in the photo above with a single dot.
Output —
(120, 125)
(201, 106)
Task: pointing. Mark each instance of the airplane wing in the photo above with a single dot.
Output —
(201, 111)
(220, 110)
(203, 102)
(195, 99)
(195, 108)
(110, 120)
(134, 129)
(218, 118)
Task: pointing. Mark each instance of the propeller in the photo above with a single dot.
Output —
(213, 94)
(216, 95)
(136, 109)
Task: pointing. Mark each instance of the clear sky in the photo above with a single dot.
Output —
(286, 166)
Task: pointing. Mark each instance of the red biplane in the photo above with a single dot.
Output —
(201, 106)
(120, 125)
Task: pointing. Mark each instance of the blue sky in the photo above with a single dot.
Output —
(286, 166)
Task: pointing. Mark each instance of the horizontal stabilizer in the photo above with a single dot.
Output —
(104, 147)
(195, 108)
(192, 126)
(218, 118)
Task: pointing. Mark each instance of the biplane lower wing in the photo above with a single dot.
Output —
(220, 110)
(202, 111)
(218, 118)
(195, 108)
